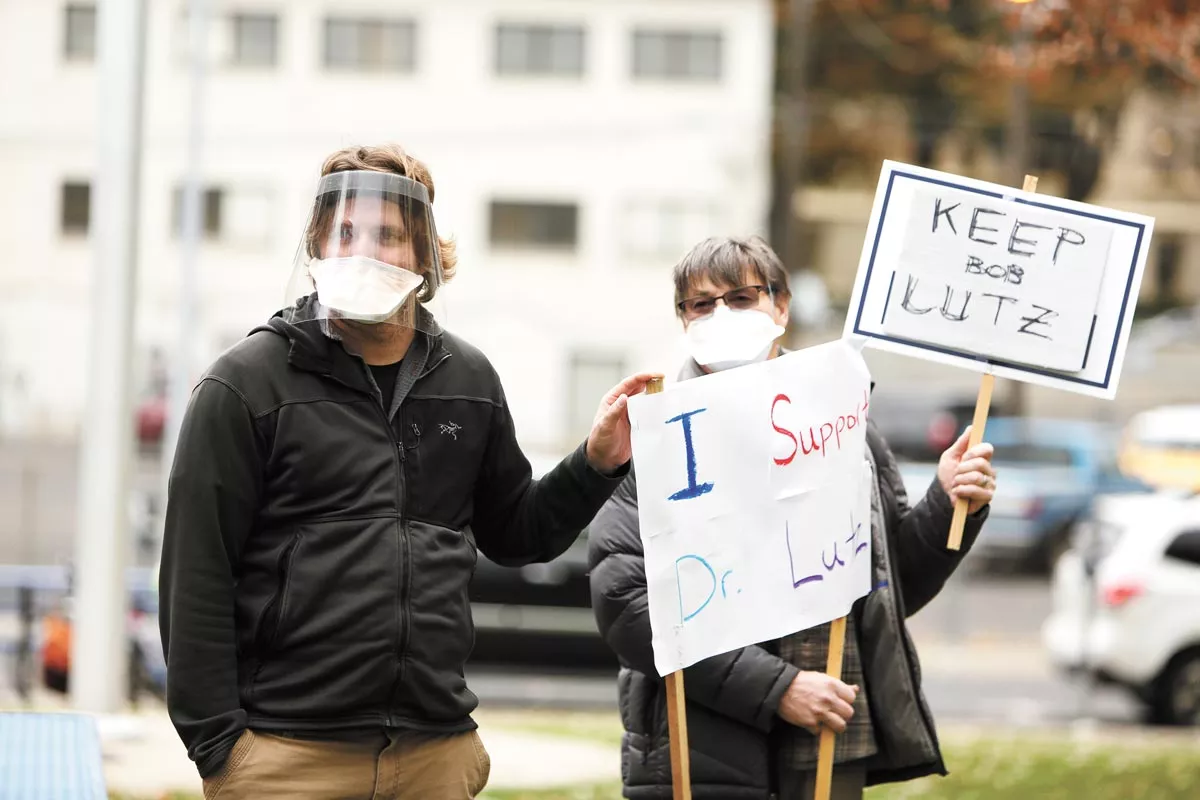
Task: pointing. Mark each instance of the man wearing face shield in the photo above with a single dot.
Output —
(336, 472)
(754, 714)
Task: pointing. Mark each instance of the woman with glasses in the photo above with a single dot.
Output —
(754, 714)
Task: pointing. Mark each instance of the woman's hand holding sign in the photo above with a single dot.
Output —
(815, 699)
(968, 473)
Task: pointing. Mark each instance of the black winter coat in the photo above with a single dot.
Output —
(732, 699)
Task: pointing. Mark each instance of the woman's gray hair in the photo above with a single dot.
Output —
(725, 260)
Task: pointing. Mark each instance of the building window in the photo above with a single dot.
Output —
(539, 50)
(665, 229)
(237, 39)
(212, 201)
(79, 42)
(370, 44)
(255, 40)
(76, 208)
(539, 225)
(677, 55)
(233, 215)
(590, 377)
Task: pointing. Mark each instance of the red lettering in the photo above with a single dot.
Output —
(783, 462)
(826, 434)
(819, 438)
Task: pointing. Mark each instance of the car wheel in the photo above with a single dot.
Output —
(1177, 699)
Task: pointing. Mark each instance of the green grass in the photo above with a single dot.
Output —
(1039, 765)
(1126, 765)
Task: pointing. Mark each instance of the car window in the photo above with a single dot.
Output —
(1034, 454)
(1186, 548)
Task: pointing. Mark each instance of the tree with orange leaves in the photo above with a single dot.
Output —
(955, 64)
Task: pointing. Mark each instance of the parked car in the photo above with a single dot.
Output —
(920, 426)
(44, 641)
(1126, 602)
(1162, 447)
(539, 614)
(1049, 473)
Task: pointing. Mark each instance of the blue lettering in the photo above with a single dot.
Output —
(679, 585)
(693, 489)
(787, 533)
(836, 561)
(728, 572)
(857, 528)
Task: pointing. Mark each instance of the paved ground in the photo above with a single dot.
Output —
(981, 657)
(1003, 683)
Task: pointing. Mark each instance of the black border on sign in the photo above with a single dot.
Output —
(1112, 355)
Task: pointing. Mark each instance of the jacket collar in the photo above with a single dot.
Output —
(315, 351)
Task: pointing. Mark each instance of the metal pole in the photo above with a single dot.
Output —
(1018, 155)
(795, 126)
(98, 651)
(192, 209)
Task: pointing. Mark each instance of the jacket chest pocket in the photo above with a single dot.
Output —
(445, 442)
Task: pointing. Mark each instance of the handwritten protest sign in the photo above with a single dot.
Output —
(754, 501)
(991, 278)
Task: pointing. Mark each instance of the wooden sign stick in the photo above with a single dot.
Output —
(982, 403)
(837, 641)
(681, 771)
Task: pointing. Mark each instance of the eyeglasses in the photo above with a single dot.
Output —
(739, 299)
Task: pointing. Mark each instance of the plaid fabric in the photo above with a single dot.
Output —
(809, 650)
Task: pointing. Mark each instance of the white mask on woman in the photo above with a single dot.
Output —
(726, 338)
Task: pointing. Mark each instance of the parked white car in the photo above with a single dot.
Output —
(1136, 623)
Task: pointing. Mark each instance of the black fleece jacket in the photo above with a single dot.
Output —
(317, 554)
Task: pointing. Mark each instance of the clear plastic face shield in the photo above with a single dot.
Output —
(368, 265)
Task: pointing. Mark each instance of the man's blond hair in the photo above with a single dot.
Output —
(395, 159)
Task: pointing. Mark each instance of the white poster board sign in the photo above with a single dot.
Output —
(988, 277)
(754, 501)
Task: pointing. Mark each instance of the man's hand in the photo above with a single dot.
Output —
(968, 473)
(815, 699)
(608, 445)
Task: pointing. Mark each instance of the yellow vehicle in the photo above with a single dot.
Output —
(1162, 447)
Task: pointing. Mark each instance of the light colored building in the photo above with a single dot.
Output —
(578, 148)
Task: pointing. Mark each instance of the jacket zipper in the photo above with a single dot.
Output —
(264, 640)
(405, 544)
(402, 553)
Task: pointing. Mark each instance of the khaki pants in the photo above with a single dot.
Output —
(398, 767)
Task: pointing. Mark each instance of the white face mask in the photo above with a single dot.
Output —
(726, 338)
(362, 288)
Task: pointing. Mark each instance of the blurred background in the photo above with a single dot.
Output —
(579, 147)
